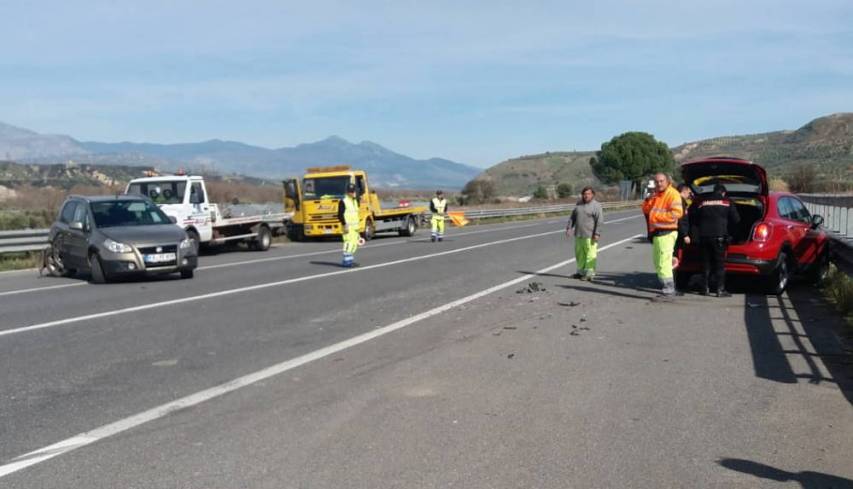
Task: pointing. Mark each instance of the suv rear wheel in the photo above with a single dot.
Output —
(777, 282)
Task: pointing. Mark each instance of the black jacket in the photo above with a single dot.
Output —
(713, 216)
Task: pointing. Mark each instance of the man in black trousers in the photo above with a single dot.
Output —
(711, 223)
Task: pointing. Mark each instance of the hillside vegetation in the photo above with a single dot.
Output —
(824, 145)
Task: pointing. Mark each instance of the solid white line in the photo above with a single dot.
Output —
(239, 290)
(37, 289)
(89, 437)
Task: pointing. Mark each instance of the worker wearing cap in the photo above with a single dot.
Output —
(348, 215)
(438, 207)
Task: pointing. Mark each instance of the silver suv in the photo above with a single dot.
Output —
(118, 236)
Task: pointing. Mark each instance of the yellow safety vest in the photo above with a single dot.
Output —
(350, 211)
(440, 205)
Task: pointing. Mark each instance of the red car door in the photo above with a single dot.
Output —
(811, 241)
(796, 230)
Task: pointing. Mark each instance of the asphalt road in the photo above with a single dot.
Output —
(424, 367)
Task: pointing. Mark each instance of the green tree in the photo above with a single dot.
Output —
(631, 156)
(540, 193)
(564, 190)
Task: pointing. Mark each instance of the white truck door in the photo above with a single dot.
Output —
(197, 199)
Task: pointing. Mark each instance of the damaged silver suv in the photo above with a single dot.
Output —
(115, 236)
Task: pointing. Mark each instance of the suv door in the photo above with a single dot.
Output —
(77, 242)
(61, 235)
(795, 229)
(810, 242)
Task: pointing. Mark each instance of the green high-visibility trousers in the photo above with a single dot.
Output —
(586, 251)
(662, 248)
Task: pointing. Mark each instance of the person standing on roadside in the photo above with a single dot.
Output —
(586, 222)
(663, 209)
(684, 222)
(438, 208)
(711, 223)
(348, 215)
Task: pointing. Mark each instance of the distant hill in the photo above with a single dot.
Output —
(826, 142)
(520, 176)
(66, 176)
(387, 168)
(17, 144)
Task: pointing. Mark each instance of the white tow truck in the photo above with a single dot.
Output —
(185, 198)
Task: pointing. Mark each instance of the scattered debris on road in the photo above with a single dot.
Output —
(511, 356)
(569, 304)
(531, 288)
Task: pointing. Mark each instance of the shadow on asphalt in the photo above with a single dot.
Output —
(810, 327)
(335, 264)
(807, 479)
(609, 292)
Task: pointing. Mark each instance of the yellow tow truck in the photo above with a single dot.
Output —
(314, 204)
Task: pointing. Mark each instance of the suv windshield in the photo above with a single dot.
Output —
(325, 188)
(160, 192)
(116, 213)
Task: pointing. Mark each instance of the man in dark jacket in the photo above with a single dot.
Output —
(710, 225)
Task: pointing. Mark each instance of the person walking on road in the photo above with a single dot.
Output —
(348, 215)
(711, 223)
(586, 222)
(663, 209)
(438, 207)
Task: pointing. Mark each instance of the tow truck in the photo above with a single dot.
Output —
(184, 197)
(313, 202)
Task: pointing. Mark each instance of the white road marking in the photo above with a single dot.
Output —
(89, 437)
(38, 289)
(267, 285)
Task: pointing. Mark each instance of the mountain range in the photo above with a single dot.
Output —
(386, 168)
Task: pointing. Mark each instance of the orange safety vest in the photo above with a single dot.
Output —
(663, 210)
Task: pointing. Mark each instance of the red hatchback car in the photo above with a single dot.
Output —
(776, 237)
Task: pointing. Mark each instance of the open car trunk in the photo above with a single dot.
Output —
(746, 186)
(750, 211)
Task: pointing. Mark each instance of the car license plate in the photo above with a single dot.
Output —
(160, 258)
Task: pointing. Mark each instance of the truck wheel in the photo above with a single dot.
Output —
(369, 230)
(263, 240)
(99, 276)
(410, 228)
(193, 235)
(296, 232)
(778, 279)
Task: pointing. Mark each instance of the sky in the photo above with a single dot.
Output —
(473, 81)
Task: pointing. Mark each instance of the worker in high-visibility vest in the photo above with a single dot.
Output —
(663, 209)
(438, 207)
(349, 216)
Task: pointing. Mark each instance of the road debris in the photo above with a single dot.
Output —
(531, 288)
(511, 356)
(569, 304)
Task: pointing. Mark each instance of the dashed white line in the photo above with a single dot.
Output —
(89, 437)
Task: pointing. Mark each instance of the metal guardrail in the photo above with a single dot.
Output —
(36, 239)
(835, 210)
(23, 240)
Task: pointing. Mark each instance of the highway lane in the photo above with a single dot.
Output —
(583, 386)
(219, 273)
(67, 379)
(16, 283)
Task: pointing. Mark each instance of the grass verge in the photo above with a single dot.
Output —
(19, 261)
(839, 290)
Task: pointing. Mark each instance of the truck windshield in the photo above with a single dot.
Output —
(160, 192)
(325, 188)
(116, 213)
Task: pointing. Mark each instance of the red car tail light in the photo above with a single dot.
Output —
(761, 232)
